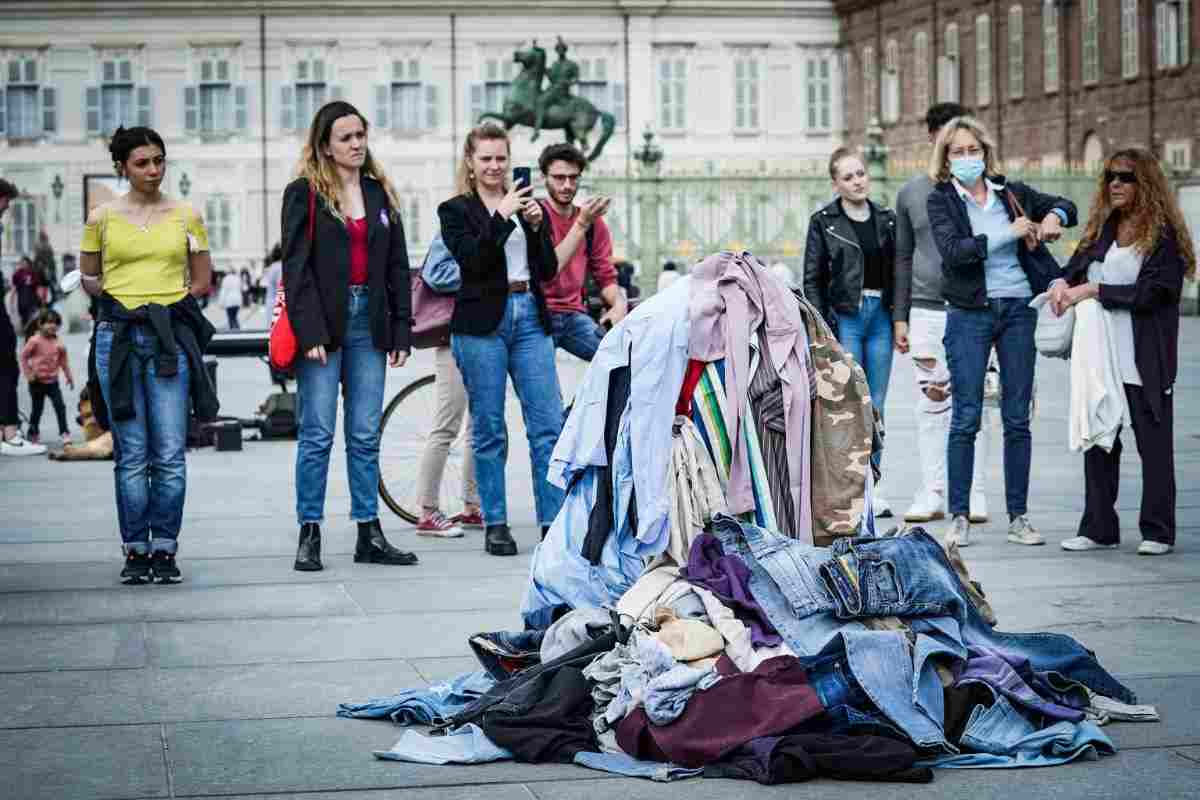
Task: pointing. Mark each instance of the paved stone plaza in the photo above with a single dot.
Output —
(227, 684)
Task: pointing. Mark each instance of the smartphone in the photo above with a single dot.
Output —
(522, 176)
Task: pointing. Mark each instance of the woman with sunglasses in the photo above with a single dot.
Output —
(991, 236)
(1133, 258)
(848, 267)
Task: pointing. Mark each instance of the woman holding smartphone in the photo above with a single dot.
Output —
(500, 327)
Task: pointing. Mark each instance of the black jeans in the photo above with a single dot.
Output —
(1102, 475)
(231, 313)
(38, 392)
(10, 372)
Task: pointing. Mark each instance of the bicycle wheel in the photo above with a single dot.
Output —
(402, 435)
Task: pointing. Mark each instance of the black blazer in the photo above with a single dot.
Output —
(834, 267)
(1153, 303)
(963, 252)
(476, 240)
(317, 288)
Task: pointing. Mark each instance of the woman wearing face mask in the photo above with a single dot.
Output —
(500, 327)
(1133, 258)
(848, 260)
(345, 276)
(991, 235)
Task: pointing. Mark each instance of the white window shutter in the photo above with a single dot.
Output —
(49, 109)
(287, 107)
(91, 104)
(431, 106)
(383, 103)
(475, 98)
(3, 110)
(618, 103)
(1185, 32)
(145, 109)
(241, 108)
(191, 109)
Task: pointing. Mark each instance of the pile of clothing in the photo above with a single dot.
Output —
(713, 599)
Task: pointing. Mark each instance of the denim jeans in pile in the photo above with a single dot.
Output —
(428, 705)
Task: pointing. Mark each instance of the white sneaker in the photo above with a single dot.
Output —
(1079, 544)
(880, 506)
(1021, 532)
(959, 532)
(928, 505)
(18, 446)
(1149, 548)
(979, 509)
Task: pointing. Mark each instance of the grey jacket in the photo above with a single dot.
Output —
(918, 278)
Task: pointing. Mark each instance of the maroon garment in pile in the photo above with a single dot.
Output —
(769, 701)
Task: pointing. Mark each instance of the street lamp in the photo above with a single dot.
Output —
(650, 155)
(185, 184)
(57, 188)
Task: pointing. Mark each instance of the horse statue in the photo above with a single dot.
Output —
(554, 108)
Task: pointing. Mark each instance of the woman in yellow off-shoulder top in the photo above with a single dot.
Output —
(146, 256)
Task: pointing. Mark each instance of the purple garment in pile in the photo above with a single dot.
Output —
(728, 578)
(1013, 677)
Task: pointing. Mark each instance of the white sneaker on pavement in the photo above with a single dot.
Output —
(1079, 544)
(18, 446)
(979, 509)
(959, 532)
(1021, 532)
(1149, 548)
(880, 506)
(928, 505)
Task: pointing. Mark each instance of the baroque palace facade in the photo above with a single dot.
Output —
(726, 85)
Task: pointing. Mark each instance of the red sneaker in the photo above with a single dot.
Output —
(434, 523)
(472, 520)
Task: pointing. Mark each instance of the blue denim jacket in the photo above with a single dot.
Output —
(440, 271)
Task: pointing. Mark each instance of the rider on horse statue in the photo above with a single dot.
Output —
(562, 76)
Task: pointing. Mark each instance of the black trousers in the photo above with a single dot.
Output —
(38, 392)
(10, 373)
(1102, 476)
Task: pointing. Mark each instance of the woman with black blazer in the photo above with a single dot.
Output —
(345, 276)
(990, 234)
(500, 327)
(1133, 258)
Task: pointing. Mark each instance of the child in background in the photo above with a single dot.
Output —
(43, 356)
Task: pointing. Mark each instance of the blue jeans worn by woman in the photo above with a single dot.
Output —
(1008, 323)
(148, 450)
(519, 348)
(867, 336)
(359, 369)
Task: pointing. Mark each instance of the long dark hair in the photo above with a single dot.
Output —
(125, 140)
(1154, 207)
(318, 169)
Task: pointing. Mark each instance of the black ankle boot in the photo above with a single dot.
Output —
(497, 541)
(373, 548)
(308, 552)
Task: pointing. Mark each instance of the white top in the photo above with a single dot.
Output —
(516, 255)
(1120, 265)
(231, 290)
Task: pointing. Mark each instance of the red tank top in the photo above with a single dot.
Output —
(357, 229)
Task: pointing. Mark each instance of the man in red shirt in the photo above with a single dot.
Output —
(579, 251)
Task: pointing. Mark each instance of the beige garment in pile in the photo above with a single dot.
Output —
(695, 493)
(688, 640)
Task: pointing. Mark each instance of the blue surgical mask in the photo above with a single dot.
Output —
(967, 169)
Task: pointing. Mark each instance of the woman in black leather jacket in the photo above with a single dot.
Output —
(848, 262)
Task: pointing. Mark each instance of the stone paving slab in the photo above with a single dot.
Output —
(496, 791)
(29, 648)
(86, 764)
(257, 691)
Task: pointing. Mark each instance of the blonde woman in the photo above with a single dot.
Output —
(500, 327)
(990, 234)
(345, 274)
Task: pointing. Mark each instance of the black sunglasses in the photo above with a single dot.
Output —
(1124, 176)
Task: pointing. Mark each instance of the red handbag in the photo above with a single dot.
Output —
(282, 345)
(431, 314)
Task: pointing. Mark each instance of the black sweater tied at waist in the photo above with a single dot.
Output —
(181, 325)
